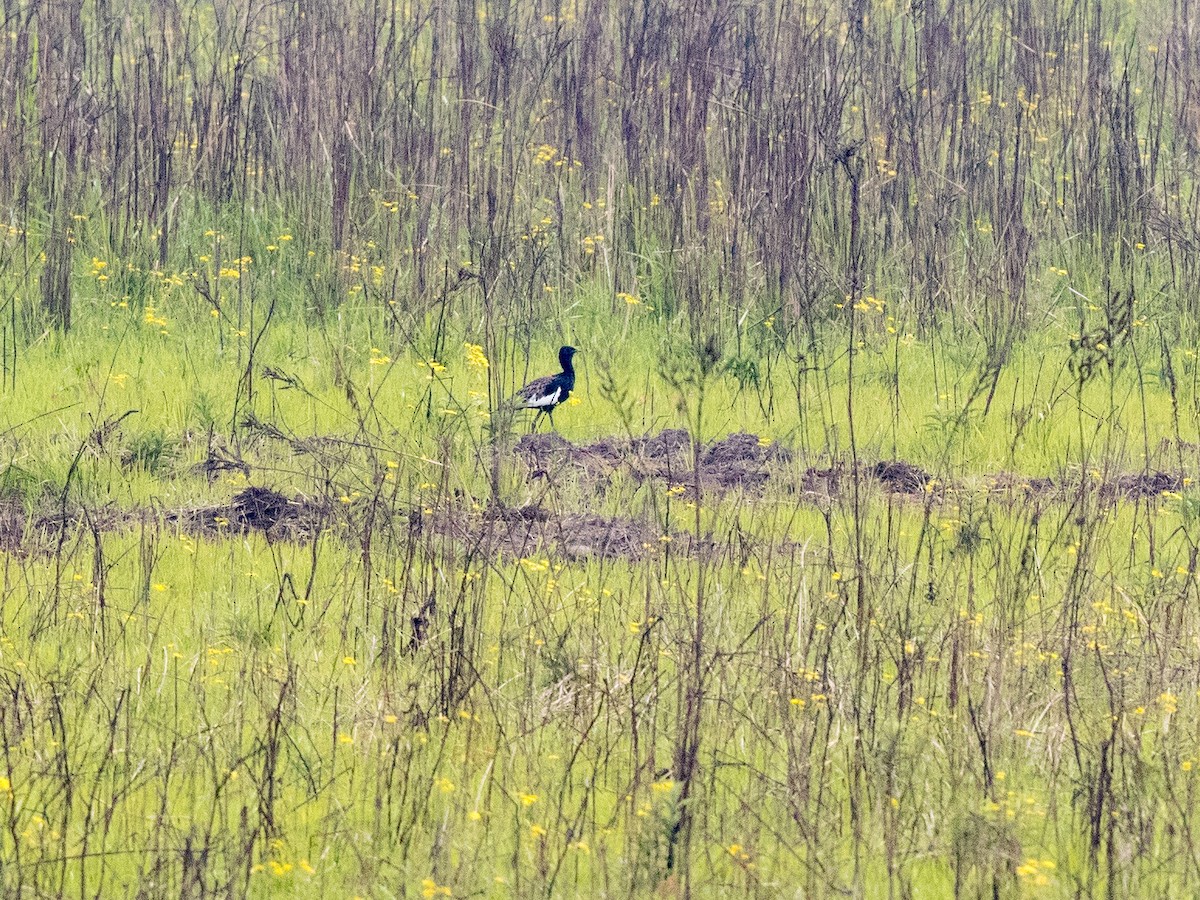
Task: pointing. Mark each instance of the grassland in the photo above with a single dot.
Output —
(864, 562)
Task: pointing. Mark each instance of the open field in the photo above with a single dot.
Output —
(864, 561)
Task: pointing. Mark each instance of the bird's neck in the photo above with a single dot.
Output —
(568, 366)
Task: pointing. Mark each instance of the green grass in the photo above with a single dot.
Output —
(258, 245)
(894, 692)
(200, 701)
(930, 400)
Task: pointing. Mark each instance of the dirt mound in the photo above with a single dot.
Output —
(1022, 487)
(671, 442)
(723, 478)
(582, 536)
(827, 482)
(550, 455)
(902, 477)
(12, 524)
(529, 531)
(742, 460)
(1147, 484)
(259, 507)
(1039, 485)
(744, 448)
(527, 513)
(256, 509)
(1128, 486)
(739, 460)
(544, 447)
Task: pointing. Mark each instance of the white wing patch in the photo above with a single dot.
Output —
(542, 400)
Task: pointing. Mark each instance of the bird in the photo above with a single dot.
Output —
(547, 392)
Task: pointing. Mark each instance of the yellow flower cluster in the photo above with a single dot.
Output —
(1037, 870)
(476, 358)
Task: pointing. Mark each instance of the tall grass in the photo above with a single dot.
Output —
(245, 244)
(721, 154)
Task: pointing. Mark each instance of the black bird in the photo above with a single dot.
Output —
(547, 392)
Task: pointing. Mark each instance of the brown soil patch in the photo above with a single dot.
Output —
(1147, 484)
(742, 449)
(824, 482)
(1130, 486)
(256, 509)
(902, 477)
(1020, 487)
(738, 462)
(12, 524)
(530, 531)
(741, 461)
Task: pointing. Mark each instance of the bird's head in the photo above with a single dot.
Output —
(564, 357)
